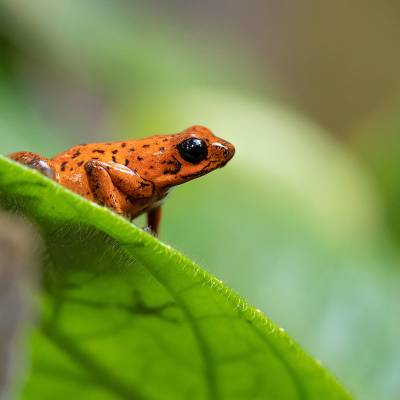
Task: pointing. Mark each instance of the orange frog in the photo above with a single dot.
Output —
(134, 176)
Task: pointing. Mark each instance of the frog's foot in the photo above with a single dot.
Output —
(35, 161)
(148, 230)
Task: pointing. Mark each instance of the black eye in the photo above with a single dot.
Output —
(193, 150)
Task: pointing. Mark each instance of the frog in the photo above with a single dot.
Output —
(134, 177)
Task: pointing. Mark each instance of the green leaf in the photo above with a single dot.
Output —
(126, 316)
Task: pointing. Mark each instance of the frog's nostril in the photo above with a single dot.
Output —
(225, 150)
(231, 150)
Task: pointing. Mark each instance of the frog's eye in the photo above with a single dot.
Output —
(193, 150)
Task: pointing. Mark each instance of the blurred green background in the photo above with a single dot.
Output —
(305, 221)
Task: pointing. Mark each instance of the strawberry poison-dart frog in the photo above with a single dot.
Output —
(133, 177)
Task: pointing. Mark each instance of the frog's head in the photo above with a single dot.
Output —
(192, 153)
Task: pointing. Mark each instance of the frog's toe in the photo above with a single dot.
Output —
(148, 230)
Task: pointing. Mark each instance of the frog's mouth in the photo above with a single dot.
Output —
(209, 167)
(205, 170)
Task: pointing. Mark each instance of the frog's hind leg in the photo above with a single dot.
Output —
(35, 161)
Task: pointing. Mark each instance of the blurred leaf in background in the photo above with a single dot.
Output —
(296, 223)
(376, 141)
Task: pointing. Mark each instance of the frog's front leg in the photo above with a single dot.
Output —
(154, 220)
(103, 187)
(112, 182)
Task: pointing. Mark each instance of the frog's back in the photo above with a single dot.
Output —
(73, 160)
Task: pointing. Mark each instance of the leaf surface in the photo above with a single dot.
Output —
(126, 316)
